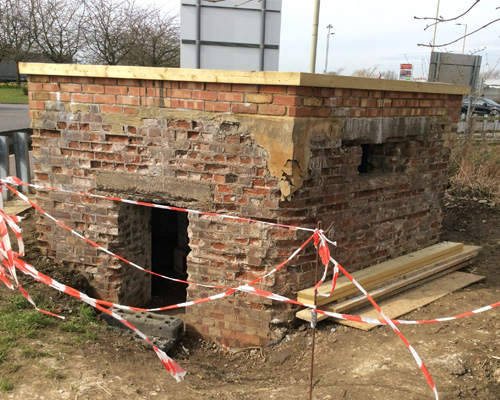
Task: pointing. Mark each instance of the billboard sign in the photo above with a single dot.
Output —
(405, 72)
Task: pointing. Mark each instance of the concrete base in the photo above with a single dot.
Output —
(164, 331)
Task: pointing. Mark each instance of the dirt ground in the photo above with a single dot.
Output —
(463, 356)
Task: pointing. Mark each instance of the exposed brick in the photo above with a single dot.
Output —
(215, 106)
(245, 108)
(259, 98)
(266, 109)
(229, 96)
(286, 100)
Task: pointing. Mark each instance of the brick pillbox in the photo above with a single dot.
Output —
(369, 155)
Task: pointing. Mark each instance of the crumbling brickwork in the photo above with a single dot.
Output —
(371, 159)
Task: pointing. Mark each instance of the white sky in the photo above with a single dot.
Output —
(382, 33)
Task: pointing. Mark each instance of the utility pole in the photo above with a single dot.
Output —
(314, 41)
(329, 26)
(435, 27)
(465, 35)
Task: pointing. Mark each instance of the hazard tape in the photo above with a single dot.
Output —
(319, 240)
(16, 181)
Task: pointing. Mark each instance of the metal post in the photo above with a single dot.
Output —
(262, 34)
(435, 27)
(22, 159)
(314, 41)
(314, 316)
(198, 34)
(327, 46)
(4, 164)
(465, 34)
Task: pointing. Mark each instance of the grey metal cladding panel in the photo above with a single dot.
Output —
(273, 28)
(188, 23)
(230, 58)
(455, 59)
(252, 5)
(236, 26)
(188, 55)
(271, 60)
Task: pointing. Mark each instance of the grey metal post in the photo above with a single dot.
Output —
(4, 164)
(314, 40)
(22, 159)
(198, 34)
(262, 33)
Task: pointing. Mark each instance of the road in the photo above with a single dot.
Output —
(14, 116)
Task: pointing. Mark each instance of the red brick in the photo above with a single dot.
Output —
(273, 89)
(300, 90)
(229, 96)
(226, 87)
(180, 93)
(203, 95)
(351, 102)
(49, 87)
(82, 98)
(104, 99)
(245, 88)
(105, 81)
(116, 90)
(191, 105)
(32, 87)
(71, 87)
(286, 100)
(82, 79)
(128, 100)
(215, 106)
(266, 109)
(244, 108)
(299, 111)
(93, 88)
(191, 85)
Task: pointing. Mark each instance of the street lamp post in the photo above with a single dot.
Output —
(329, 26)
(465, 35)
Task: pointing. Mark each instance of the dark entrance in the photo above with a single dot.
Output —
(169, 249)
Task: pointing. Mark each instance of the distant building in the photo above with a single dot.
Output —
(491, 89)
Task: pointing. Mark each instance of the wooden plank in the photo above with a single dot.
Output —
(397, 285)
(403, 303)
(381, 272)
(245, 77)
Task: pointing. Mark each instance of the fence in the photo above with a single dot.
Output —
(484, 128)
(15, 143)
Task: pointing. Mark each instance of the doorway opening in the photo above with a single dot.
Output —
(169, 249)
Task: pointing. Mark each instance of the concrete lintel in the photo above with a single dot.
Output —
(169, 191)
(380, 129)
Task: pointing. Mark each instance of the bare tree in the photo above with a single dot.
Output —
(389, 74)
(15, 38)
(366, 72)
(155, 42)
(57, 28)
(440, 20)
(338, 71)
(110, 26)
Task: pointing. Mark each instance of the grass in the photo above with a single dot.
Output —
(475, 167)
(20, 321)
(10, 93)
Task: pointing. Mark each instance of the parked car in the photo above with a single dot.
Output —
(481, 106)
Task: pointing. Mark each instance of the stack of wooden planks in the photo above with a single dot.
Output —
(389, 278)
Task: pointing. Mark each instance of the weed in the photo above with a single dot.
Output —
(5, 385)
(475, 166)
(54, 373)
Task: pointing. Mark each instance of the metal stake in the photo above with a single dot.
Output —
(313, 322)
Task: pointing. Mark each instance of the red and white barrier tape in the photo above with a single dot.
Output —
(320, 242)
(16, 181)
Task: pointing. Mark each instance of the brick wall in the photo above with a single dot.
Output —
(371, 159)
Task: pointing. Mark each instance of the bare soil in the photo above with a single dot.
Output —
(463, 356)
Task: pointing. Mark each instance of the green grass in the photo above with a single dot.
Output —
(5, 385)
(10, 93)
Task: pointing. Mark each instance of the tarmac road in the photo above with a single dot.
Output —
(14, 116)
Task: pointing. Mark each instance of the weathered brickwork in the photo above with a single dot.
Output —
(372, 162)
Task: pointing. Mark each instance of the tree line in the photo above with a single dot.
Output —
(110, 32)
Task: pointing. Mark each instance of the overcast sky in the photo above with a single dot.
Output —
(381, 33)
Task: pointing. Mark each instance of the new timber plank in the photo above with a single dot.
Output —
(403, 303)
(381, 272)
(396, 285)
